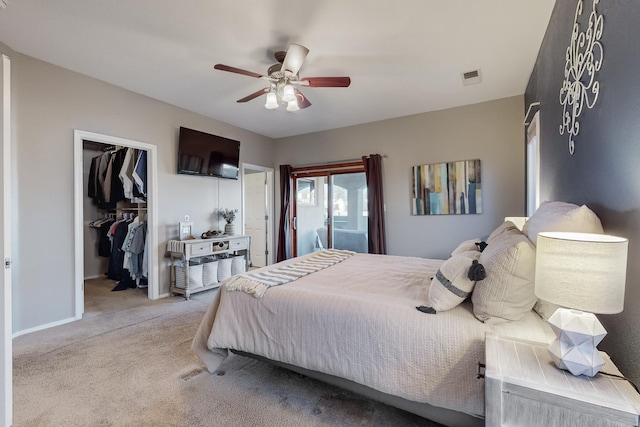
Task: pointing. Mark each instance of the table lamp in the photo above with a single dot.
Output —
(584, 274)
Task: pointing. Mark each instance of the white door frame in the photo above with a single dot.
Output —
(532, 160)
(152, 210)
(271, 199)
(6, 412)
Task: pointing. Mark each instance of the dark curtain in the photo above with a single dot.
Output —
(284, 230)
(375, 204)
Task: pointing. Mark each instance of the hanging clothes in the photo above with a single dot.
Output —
(93, 177)
(134, 247)
(140, 173)
(101, 171)
(116, 176)
(118, 233)
(116, 191)
(104, 244)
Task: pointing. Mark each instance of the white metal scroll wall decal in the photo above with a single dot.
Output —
(584, 58)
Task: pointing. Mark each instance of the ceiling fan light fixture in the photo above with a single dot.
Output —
(283, 80)
(288, 94)
(293, 105)
(272, 101)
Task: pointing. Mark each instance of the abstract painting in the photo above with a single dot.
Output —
(447, 188)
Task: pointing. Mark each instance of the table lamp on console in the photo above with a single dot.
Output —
(584, 274)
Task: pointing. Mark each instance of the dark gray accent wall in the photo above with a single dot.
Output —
(604, 172)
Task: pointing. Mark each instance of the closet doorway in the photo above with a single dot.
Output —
(80, 194)
(257, 209)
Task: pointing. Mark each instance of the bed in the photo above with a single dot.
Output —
(355, 324)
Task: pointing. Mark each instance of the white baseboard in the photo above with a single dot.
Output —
(45, 326)
(99, 276)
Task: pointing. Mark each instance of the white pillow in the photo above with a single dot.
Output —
(562, 216)
(502, 228)
(466, 246)
(507, 293)
(451, 284)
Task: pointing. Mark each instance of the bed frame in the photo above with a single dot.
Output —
(444, 416)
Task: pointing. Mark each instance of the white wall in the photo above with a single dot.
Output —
(491, 131)
(50, 103)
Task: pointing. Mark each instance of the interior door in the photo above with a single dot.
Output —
(256, 215)
(6, 413)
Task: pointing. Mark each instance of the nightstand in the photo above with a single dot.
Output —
(524, 388)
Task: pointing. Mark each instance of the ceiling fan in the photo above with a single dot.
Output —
(283, 77)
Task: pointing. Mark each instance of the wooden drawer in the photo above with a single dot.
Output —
(238, 244)
(199, 249)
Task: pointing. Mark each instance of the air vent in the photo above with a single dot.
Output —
(470, 77)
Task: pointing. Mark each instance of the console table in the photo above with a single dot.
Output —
(187, 255)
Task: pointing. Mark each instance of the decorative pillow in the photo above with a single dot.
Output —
(562, 216)
(451, 284)
(466, 246)
(507, 293)
(502, 228)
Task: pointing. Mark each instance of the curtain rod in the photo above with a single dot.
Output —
(334, 163)
(533, 104)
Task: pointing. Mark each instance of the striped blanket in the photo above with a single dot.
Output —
(256, 283)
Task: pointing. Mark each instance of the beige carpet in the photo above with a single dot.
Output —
(128, 363)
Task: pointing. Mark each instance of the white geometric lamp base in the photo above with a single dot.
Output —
(578, 335)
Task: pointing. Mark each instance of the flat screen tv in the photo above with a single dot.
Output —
(204, 154)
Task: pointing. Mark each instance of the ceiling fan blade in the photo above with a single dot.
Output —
(296, 55)
(326, 81)
(223, 67)
(253, 95)
(303, 102)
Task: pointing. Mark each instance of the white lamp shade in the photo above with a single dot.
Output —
(288, 93)
(293, 106)
(272, 101)
(582, 271)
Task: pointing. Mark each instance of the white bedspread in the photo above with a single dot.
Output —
(357, 320)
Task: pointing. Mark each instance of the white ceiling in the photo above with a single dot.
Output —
(403, 56)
